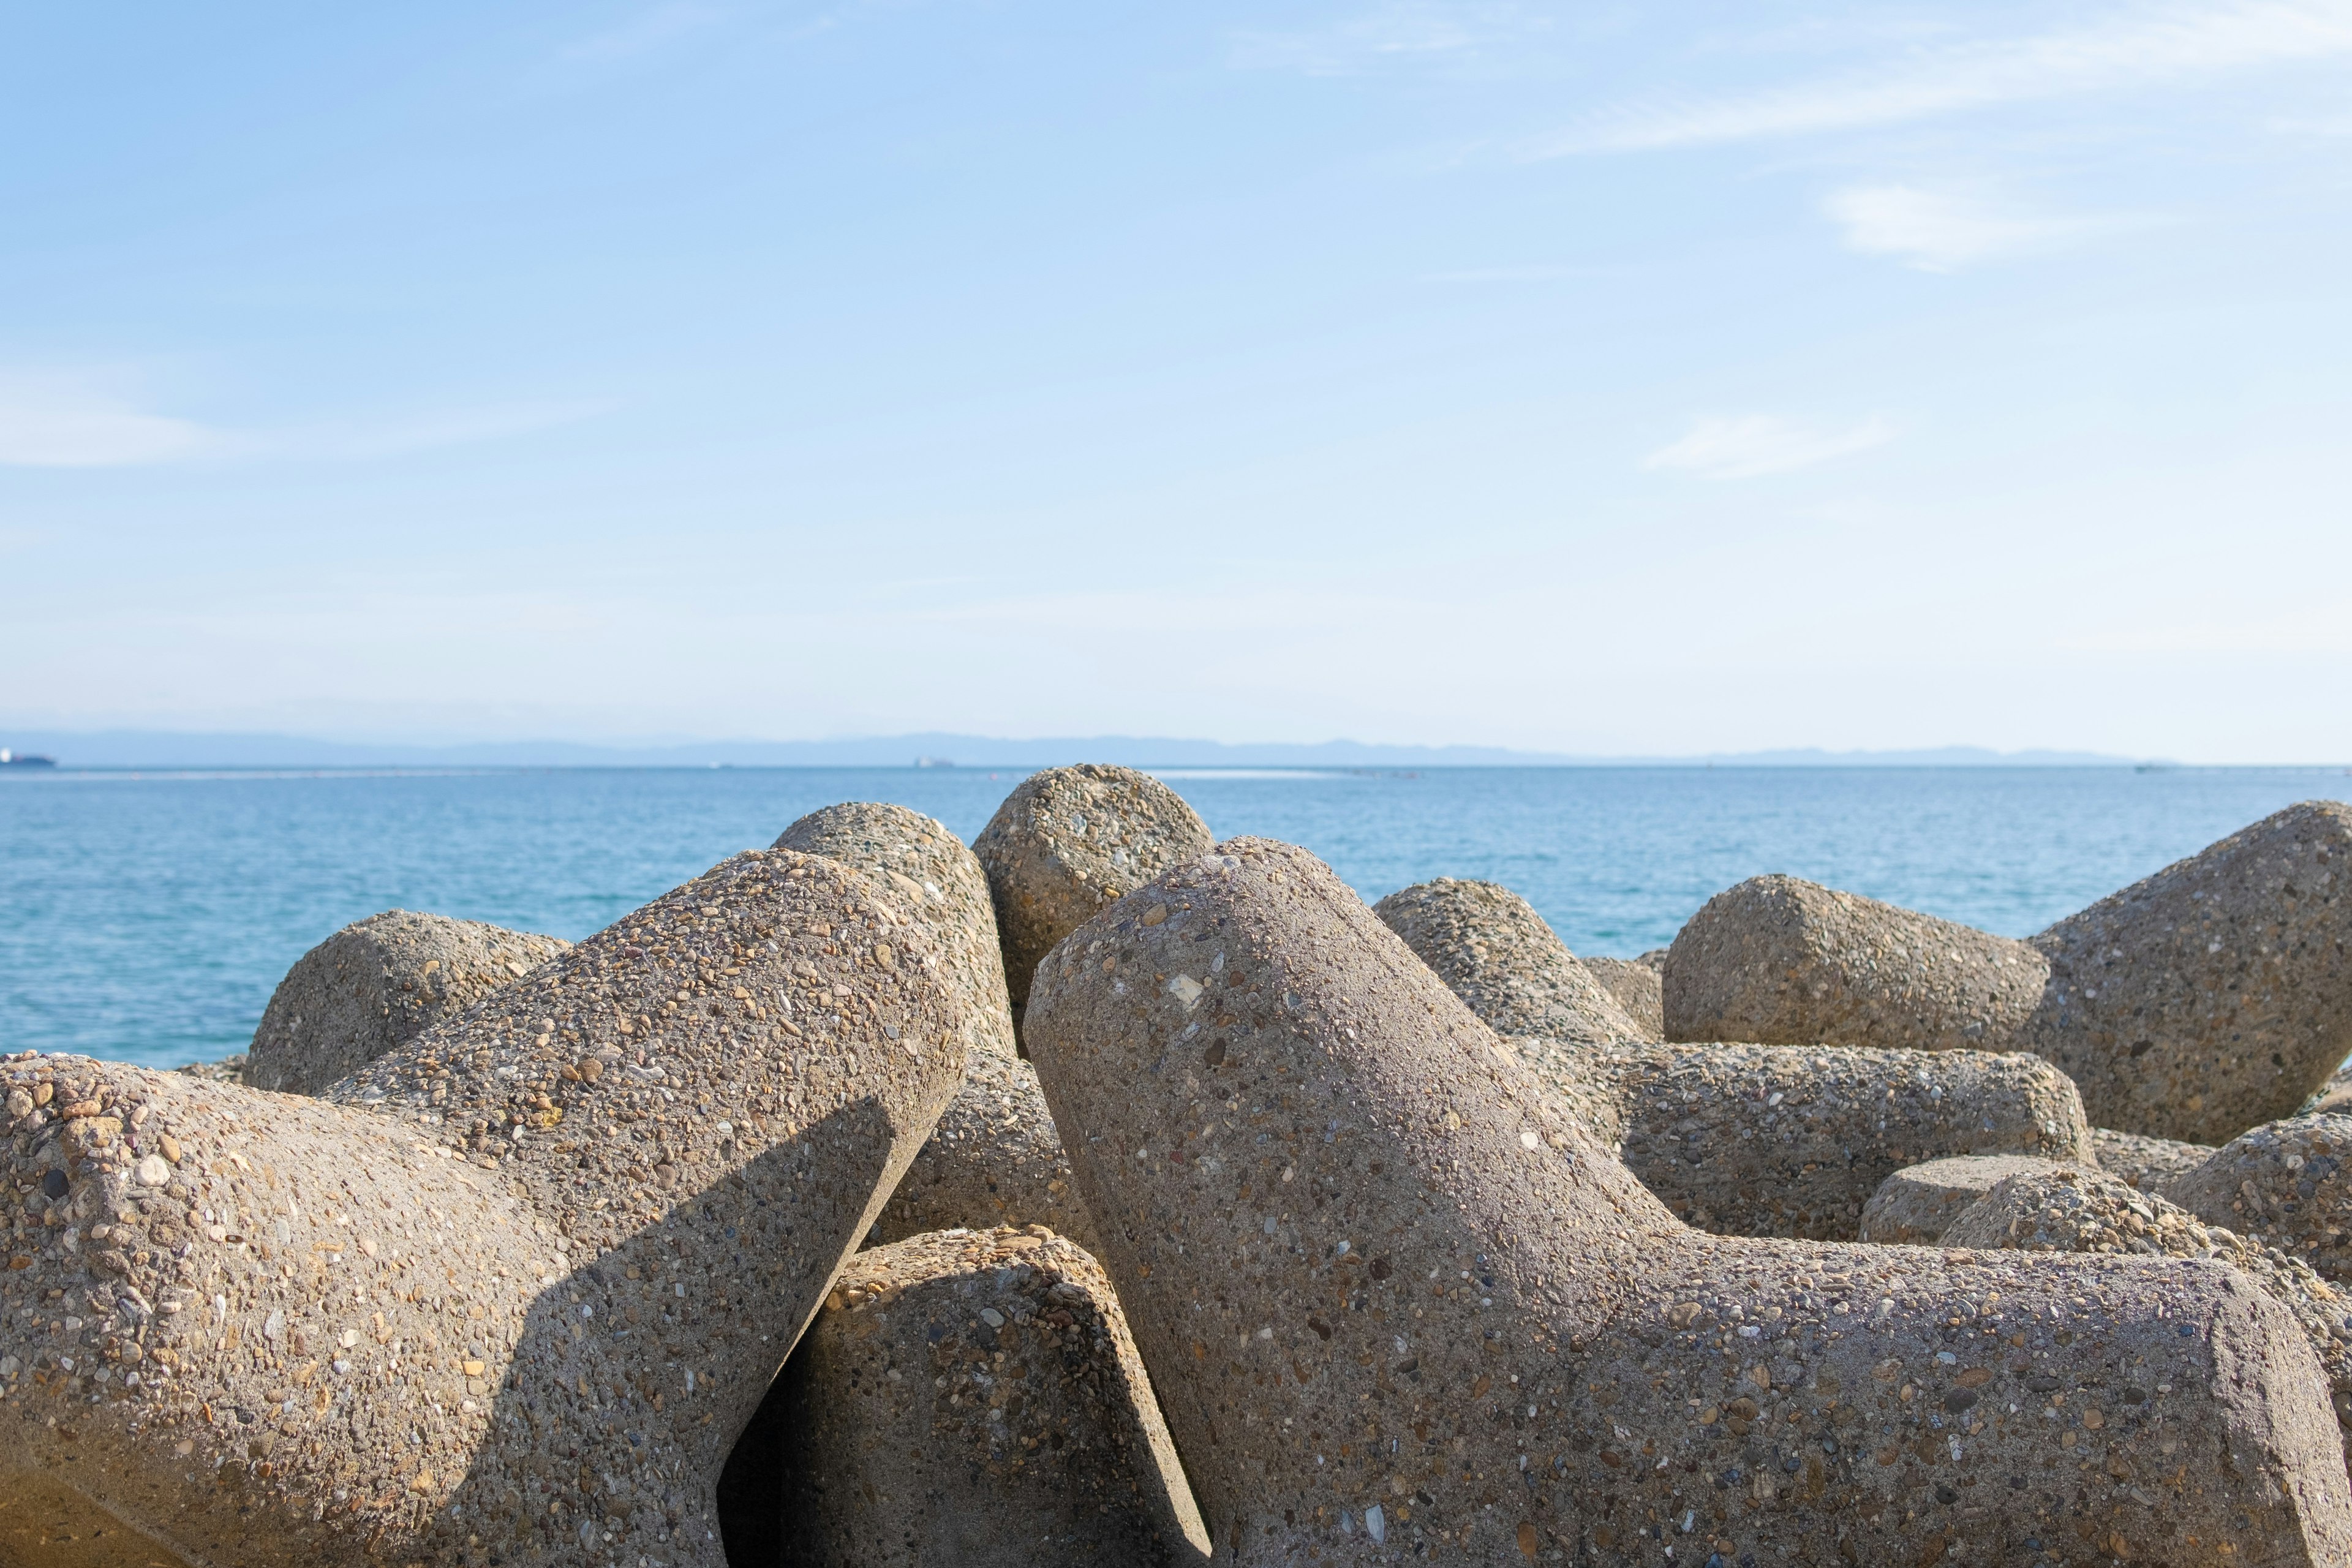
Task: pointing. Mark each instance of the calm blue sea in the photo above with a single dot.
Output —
(146, 917)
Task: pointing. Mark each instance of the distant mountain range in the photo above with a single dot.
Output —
(166, 747)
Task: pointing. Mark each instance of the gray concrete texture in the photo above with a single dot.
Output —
(1792, 1141)
(378, 983)
(1783, 961)
(1394, 1302)
(2283, 1184)
(973, 1398)
(994, 1158)
(2148, 1164)
(1916, 1206)
(2062, 1210)
(938, 881)
(1497, 954)
(1070, 841)
(509, 1293)
(2216, 994)
(1638, 988)
(2211, 997)
(1739, 1139)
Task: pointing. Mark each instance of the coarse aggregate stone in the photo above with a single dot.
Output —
(2148, 1164)
(1067, 841)
(507, 1293)
(941, 883)
(1917, 1204)
(2283, 1184)
(1789, 1141)
(378, 983)
(1638, 987)
(994, 1158)
(972, 1397)
(2216, 994)
(1395, 1302)
(1784, 961)
(1498, 955)
(2065, 1210)
(1736, 1139)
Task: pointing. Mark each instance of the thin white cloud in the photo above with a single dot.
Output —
(1943, 231)
(76, 420)
(2135, 47)
(1403, 32)
(647, 31)
(71, 422)
(1754, 445)
(399, 436)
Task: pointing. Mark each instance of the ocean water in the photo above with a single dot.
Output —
(146, 917)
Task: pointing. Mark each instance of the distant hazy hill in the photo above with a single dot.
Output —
(163, 748)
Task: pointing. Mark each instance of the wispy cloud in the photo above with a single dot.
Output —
(52, 421)
(80, 420)
(1754, 445)
(1401, 32)
(1943, 231)
(645, 31)
(2137, 47)
(400, 435)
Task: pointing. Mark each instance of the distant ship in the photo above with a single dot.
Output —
(935, 762)
(9, 759)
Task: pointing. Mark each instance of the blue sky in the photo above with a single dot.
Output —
(1645, 379)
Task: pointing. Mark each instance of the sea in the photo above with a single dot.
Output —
(145, 916)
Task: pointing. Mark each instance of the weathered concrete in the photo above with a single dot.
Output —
(938, 881)
(2283, 1184)
(993, 1159)
(975, 1398)
(511, 1291)
(1916, 1206)
(1070, 840)
(2062, 1210)
(2148, 1164)
(1394, 1301)
(376, 985)
(1790, 1141)
(1784, 961)
(1638, 987)
(2216, 994)
(1496, 953)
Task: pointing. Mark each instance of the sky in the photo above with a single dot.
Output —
(1599, 379)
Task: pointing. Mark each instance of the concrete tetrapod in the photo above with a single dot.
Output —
(2285, 1184)
(512, 1291)
(1916, 1206)
(994, 1158)
(1784, 961)
(941, 883)
(973, 1398)
(2148, 1164)
(2206, 999)
(1070, 841)
(1638, 985)
(1739, 1139)
(1392, 1301)
(1789, 1141)
(2215, 995)
(2060, 1210)
(377, 984)
(1497, 954)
